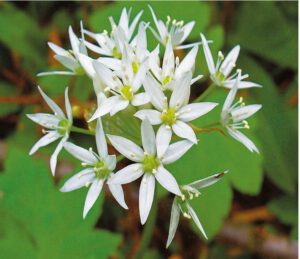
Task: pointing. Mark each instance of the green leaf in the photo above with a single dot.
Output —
(9, 91)
(270, 34)
(53, 219)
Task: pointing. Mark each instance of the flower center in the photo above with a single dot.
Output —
(63, 126)
(101, 170)
(168, 116)
(116, 53)
(150, 163)
(220, 76)
(127, 93)
(135, 67)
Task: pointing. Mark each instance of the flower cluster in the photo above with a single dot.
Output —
(126, 73)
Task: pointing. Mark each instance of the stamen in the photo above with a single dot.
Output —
(168, 20)
(91, 150)
(220, 55)
(186, 215)
(154, 171)
(183, 197)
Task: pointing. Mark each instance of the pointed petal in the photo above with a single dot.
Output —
(104, 107)
(174, 220)
(152, 115)
(156, 22)
(181, 93)
(79, 180)
(231, 95)
(53, 158)
(127, 175)
(146, 195)
(45, 140)
(117, 191)
(183, 130)
(68, 106)
(74, 41)
(92, 195)
(100, 140)
(87, 64)
(208, 56)
(167, 180)
(126, 147)
(112, 63)
(57, 49)
(110, 161)
(195, 110)
(168, 64)
(176, 151)
(81, 153)
(46, 120)
(208, 181)
(196, 219)
(140, 99)
(163, 139)
(188, 63)
(50, 73)
(243, 139)
(229, 62)
(187, 30)
(117, 104)
(245, 112)
(68, 61)
(133, 24)
(148, 137)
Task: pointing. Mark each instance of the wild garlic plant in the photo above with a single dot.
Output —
(127, 75)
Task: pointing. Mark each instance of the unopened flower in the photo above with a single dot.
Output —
(220, 73)
(174, 114)
(98, 169)
(234, 116)
(181, 204)
(58, 126)
(149, 163)
(172, 30)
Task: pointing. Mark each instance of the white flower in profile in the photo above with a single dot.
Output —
(149, 163)
(112, 45)
(173, 115)
(171, 68)
(98, 169)
(58, 126)
(182, 205)
(175, 31)
(234, 116)
(220, 73)
(124, 92)
(68, 58)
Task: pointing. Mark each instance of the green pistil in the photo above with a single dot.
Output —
(116, 53)
(220, 76)
(150, 164)
(101, 171)
(166, 80)
(63, 126)
(79, 71)
(135, 67)
(126, 91)
(168, 116)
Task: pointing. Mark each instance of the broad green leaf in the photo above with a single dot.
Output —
(9, 91)
(53, 219)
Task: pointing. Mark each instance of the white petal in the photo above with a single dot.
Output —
(208, 56)
(152, 115)
(140, 76)
(68, 73)
(174, 220)
(245, 112)
(181, 129)
(176, 150)
(79, 180)
(127, 175)
(69, 62)
(87, 64)
(229, 62)
(196, 219)
(92, 195)
(110, 161)
(153, 89)
(46, 120)
(243, 139)
(100, 140)
(140, 99)
(148, 137)
(188, 63)
(54, 107)
(167, 180)
(168, 64)
(187, 30)
(156, 23)
(126, 147)
(142, 41)
(163, 139)
(117, 104)
(231, 95)
(80, 153)
(146, 195)
(195, 110)
(181, 93)
(74, 41)
(57, 49)
(112, 63)
(68, 106)
(53, 158)
(45, 140)
(117, 191)
(104, 107)
(133, 24)
(208, 181)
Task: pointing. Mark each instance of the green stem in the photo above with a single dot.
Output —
(148, 230)
(80, 130)
(206, 93)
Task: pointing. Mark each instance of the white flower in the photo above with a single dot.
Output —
(98, 169)
(68, 58)
(234, 116)
(182, 205)
(149, 162)
(174, 114)
(171, 68)
(112, 45)
(124, 92)
(220, 73)
(177, 32)
(57, 125)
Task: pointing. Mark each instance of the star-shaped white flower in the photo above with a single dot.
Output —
(124, 92)
(174, 30)
(182, 204)
(220, 73)
(58, 126)
(234, 116)
(150, 163)
(98, 169)
(173, 115)
(172, 68)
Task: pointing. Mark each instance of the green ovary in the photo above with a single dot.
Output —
(150, 163)
(135, 67)
(168, 117)
(220, 76)
(116, 53)
(126, 91)
(101, 171)
(166, 80)
(63, 126)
